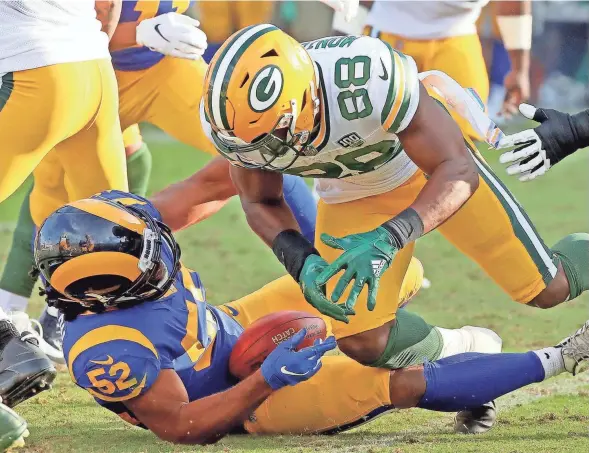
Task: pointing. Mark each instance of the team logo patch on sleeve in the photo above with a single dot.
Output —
(265, 88)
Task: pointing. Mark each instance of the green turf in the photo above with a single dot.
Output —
(552, 417)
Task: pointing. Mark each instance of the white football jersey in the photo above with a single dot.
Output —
(369, 92)
(425, 20)
(37, 33)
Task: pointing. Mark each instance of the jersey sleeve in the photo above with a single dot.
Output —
(121, 368)
(399, 72)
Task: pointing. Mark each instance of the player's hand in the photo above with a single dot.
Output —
(536, 150)
(173, 34)
(315, 294)
(366, 256)
(348, 7)
(286, 366)
(517, 90)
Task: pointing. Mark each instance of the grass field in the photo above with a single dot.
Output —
(553, 417)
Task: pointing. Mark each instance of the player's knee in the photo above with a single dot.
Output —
(407, 386)
(556, 292)
(366, 347)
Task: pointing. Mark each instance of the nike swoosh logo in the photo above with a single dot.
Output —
(157, 30)
(385, 75)
(285, 371)
(108, 361)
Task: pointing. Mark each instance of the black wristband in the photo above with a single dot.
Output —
(580, 125)
(405, 227)
(292, 249)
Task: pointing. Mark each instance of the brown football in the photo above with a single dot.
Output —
(263, 335)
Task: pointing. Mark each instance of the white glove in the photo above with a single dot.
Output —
(528, 159)
(173, 34)
(348, 7)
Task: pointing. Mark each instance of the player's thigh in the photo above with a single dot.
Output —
(493, 230)
(38, 109)
(49, 188)
(278, 295)
(216, 19)
(462, 59)
(94, 158)
(252, 12)
(318, 405)
(173, 89)
(357, 217)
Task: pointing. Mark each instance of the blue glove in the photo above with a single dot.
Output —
(286, 366)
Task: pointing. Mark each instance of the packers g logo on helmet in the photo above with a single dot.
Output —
(265, 88)
(261, 99)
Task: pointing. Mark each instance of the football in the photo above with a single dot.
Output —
(263, 335)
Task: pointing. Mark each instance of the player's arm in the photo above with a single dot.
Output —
(171, 34)
(262, 199)
(344, 24)
(167, 412)
(536, 150)
(196, 198)
(441, 153)
(108, 13)
(514, 19)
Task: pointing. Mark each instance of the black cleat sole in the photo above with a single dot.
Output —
(29, 387)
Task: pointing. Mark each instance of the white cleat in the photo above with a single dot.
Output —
(575, 350)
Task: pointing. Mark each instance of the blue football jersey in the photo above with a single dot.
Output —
(117, 355)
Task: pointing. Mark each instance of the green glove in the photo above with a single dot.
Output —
(314, 293)
(366, 256)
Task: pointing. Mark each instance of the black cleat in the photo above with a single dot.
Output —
(24, 369)
(476, 421)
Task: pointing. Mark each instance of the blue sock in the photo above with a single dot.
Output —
(469, 380)
(299, 198)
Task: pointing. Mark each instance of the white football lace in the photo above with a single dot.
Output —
(577, 345)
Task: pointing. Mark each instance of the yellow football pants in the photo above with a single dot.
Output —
(461, 57)
(71, 107)
(220, 19)
(166, 95)
(52, 189)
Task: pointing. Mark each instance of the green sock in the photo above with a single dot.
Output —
(573, 251)
(412, 341)
(139, 170)
(15, 278)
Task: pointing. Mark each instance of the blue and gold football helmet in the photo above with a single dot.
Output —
(101, 253)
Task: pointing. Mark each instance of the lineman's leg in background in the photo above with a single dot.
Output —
(41, 110)
(220, 19)
(168, 95)
(50, 191)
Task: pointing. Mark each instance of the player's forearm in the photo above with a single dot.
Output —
(514, 19)
(207, 420)
(197, 197)
(451, 184)
(268, 218)
(108, 12)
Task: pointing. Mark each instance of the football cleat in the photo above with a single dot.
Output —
(476, 421)
(50, 334)
(13, 429)
(24, 369)
(575, 350)
(45, 332)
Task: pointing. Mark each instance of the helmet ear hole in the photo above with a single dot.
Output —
(270, 53)
(245, 79)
